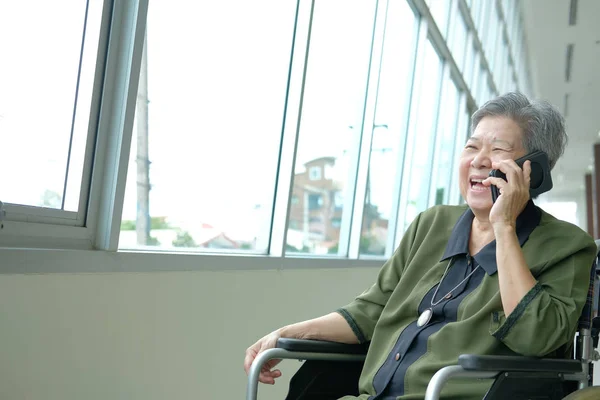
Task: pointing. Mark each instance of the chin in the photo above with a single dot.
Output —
(479, 203)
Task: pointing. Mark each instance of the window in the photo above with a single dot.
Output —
(338, 200)
(294, 224)
(483, 20)
(419, 152)
(494, 37)
(389, 130)
(473, 70)
(564, 210)
(445, 144)
(469, 61)
(334, 97)
(482, 85)
(208, 123)
(459, 40)
(439, 10)
(315, 201)
(314, 173)
(269, 127)
(46, 122)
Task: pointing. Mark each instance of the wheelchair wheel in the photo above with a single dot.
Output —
(590, 393)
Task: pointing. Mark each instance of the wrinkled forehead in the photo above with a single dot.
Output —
(498, 130)
(511, 142)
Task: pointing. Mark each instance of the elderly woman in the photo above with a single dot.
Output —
(499, 278)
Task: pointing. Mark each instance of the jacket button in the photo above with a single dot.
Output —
(397, 356)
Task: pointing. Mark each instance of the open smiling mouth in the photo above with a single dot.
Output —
(477, 185)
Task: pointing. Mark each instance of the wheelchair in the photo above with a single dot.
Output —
(331, 370)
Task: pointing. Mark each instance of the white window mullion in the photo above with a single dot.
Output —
(95, 104)
(437, 140)
(291, 129)
(350, 232)
(115, 125)
(420, 35)
(410, 137)
(459, 143)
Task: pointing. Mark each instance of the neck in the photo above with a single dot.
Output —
(482, 232)
(482, 224)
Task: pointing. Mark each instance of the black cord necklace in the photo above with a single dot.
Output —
(426, 315)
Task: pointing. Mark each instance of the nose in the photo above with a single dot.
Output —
(481, 160)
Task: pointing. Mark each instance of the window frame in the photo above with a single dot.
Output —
(108, 140)
(20, 213)
(96, 226)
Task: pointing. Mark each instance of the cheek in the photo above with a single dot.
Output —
(464, 165)
(502, 157)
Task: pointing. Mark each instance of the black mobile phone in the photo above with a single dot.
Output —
(541, 180)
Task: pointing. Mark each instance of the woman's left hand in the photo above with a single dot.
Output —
(514, 192)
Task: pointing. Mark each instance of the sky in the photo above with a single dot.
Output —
(42, 40)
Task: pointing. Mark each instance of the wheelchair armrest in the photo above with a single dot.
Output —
(320, 346)
(472, 362)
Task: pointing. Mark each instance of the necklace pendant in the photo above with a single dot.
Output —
(425, 317)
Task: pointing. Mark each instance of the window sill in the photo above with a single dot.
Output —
(42, 261)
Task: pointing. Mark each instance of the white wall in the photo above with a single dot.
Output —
(146, 336)
(155, 335)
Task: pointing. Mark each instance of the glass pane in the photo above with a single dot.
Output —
(463, 131)
(208, 125)
(334, 96)
(439, 10)
(52, 48)
(482, 85)
(475, 12)
(459, 42)
(390, 125)
(494, 36)
(416, 167)
(445, 144)
(502, 66)
(471, 75)
(469, 59)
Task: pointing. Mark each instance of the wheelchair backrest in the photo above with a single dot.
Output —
(590, 310)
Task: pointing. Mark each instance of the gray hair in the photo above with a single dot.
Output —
(542, 124)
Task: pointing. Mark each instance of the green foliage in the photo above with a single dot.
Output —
(439, 196)
(184, 239)
(155, 223)
(152, 241)
(159, 223)
(292, 249)
(366, 244)
(127, 225)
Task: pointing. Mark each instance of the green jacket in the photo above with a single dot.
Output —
(559, 255)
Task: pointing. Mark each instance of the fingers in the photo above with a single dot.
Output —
(513, 171)
(527, 172)
(494, 181)
(250, 356)
(269, 377)
(266, 375)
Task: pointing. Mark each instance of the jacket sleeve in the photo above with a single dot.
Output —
(546, 318)
(363, 313)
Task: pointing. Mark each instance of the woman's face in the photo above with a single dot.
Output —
(494, 139)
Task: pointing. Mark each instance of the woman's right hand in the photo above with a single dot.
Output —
(266, 374)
